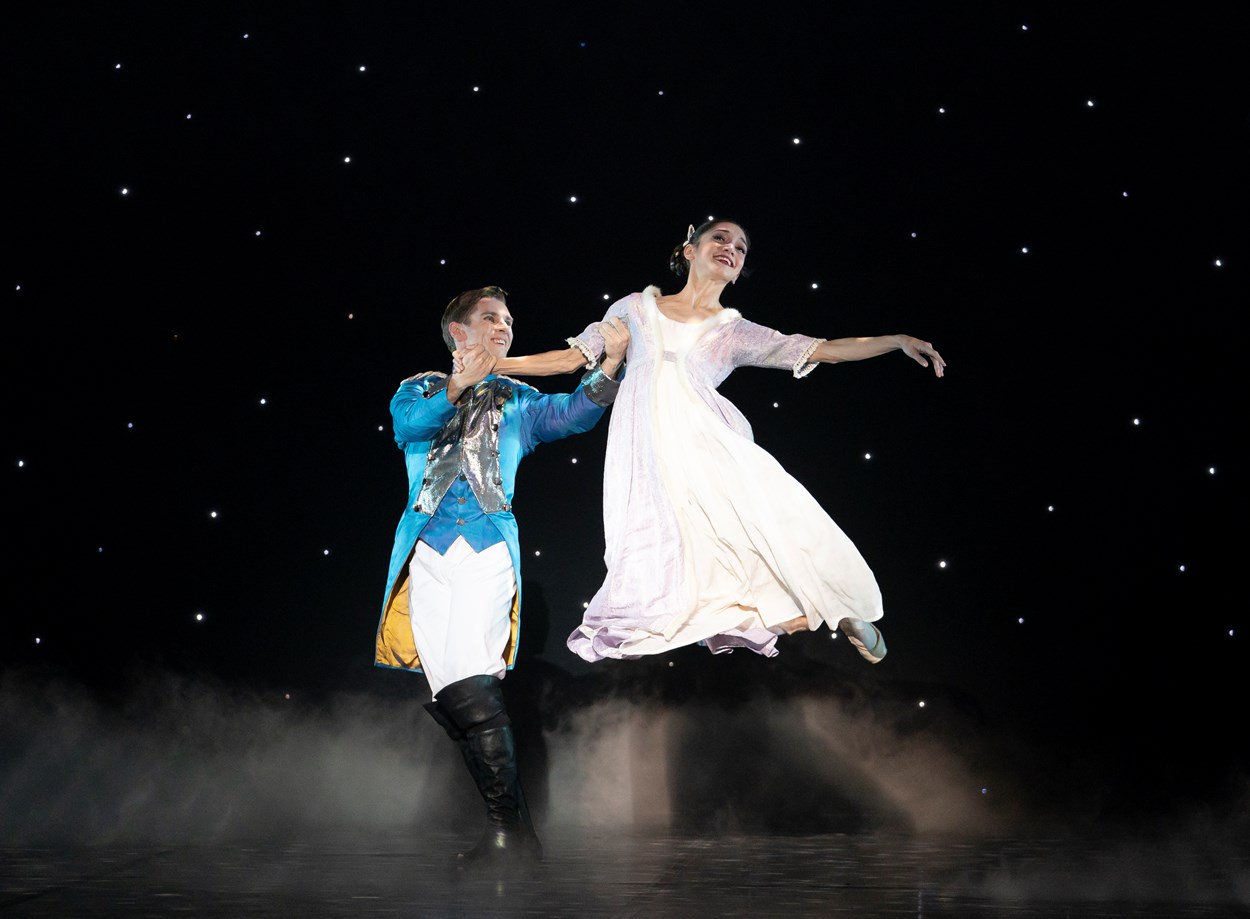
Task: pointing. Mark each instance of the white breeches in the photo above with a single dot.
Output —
(460, 607)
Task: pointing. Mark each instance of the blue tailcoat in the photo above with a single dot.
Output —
(420, 409)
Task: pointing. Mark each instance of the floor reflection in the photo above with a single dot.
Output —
(638, 875)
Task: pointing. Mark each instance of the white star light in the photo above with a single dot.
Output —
(125, 191)
(1136, 422)
(941, 110)
(362, 68)
(1050, 507)
(188, 116)
(325, 551)
(21, 463)
(475, 88)
(212, 514)
(1219, 263)
(199, 617)
(39, 640)
(258, 232)
(347, 159)
(776, 405)
(913, 235)
(1089, 103)
(1182, 568)
(815, 286)
(117, 66)
(572, 199)
(942, 564)
(606, 297)
(537, 552)
(575, 461)
(264, 401)
(867, 456)
(921, 703)
(1020, 620)
(1211, 470)
(797, 141)
(1024, 250)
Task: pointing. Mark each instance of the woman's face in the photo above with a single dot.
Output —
(720, 252)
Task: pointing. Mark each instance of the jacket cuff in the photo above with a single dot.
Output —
(600, 388)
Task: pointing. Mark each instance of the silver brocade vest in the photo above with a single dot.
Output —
(468, 446)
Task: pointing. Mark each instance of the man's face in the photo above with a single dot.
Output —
(489, 325)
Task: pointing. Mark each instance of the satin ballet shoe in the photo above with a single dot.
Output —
(866, 638)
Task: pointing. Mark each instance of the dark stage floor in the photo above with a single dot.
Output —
(598, 874)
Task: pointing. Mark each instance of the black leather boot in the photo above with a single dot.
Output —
(471, 762)
(473, 714)
(437, 713)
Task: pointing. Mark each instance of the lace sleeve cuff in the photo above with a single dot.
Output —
(591, 360)
(805, 365)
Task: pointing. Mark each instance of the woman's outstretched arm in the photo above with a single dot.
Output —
(857, 349)
(584, 351)
(546, 364)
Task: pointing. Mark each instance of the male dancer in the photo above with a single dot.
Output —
(453, 592)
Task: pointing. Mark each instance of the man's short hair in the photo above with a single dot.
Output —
(460, 308)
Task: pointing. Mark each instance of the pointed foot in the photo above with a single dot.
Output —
(866, 638)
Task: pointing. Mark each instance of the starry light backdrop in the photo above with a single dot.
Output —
(233, 228)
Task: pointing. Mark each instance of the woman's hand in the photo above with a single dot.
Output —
(917, 350)
(476, 363)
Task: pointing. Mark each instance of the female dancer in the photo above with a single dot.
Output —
(708, 539)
